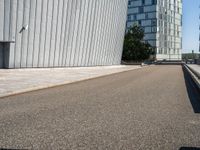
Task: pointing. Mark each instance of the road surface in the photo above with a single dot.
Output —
(151, 108)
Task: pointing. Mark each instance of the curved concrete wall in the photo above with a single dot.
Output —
(63, 32)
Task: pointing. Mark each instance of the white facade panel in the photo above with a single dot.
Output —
(61, 33)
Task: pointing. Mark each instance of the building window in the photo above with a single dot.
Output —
(154, 29)
(146, 16)
(134, 17)
(154, 2)
(160, 16)
(153, 23)
(143, 2)
(141, 9)
(129, 17)
(139, 22)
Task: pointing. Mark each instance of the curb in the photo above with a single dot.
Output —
(195, 76)
(46, 86)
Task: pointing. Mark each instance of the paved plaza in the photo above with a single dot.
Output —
(15, 81)
(155, 108)
(194, 67)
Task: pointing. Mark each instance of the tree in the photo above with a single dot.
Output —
(135, 49)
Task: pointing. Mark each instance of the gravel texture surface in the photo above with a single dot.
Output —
(154, 108)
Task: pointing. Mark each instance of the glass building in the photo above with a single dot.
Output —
(162, 24)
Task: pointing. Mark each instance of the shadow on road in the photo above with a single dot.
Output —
(189, 148)
(193, 92)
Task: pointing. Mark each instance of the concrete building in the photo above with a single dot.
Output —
(162, 24)
(60, 33)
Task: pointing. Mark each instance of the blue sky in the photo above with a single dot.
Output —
(191, 23)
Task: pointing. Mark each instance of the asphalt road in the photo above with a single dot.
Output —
(151, 108)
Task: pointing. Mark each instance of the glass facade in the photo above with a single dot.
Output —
(162, 24)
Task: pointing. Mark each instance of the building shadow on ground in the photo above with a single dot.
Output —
(189, 148)
(193, 91)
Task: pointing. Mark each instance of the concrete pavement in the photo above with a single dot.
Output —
(194, 67)
(154, 108)
(15, 81)
(194, 71)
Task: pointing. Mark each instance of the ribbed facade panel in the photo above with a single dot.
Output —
(61, 33)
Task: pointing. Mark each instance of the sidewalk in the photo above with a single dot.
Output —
(16, 81)
(194, 71)
(195, 68)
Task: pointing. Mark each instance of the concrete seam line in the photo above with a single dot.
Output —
(46, 86)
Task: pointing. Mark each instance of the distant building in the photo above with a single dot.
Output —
(162, 24)
(61, 33)
(186, 56)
